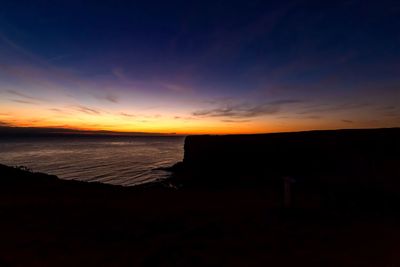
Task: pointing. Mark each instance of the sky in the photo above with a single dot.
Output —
(190, 67)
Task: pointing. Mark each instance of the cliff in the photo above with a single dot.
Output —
(363, 157)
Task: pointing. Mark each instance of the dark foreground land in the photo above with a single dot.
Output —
(224, 206)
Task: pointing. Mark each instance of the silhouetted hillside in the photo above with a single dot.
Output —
(330, 169)
(372, 154)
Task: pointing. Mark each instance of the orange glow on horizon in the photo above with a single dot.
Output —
(173, 127)
(169, 120)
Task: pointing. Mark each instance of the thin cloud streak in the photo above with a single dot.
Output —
(112, 98)
(3, 123)
(16, 93)
(244, 110)
(324, 108)
(87, 110)
(348, 121)
(24, 102)
(235, 121)
(60, 111)
(127, 115)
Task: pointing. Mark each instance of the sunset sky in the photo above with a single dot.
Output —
(200, 67)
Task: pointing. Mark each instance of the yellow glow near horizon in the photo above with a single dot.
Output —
(25, 117)
(22, 111)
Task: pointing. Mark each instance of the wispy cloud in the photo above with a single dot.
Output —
(177, 88)
(112, 98)
(312, 117)
(3, 123)
(235, 121)
(23, 95)
(55, 110)
(186, 118)
(24, 101)
(59, 57)
(348, 121)
(244, 110)
(119, 73)
(328, 108)
(87, 110)
(127, 115)
(389, 111)
(227, 43)
(387, 108)
(16, 47)
(60, 111)
(32, 72)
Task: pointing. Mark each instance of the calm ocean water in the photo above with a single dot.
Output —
(116, 160)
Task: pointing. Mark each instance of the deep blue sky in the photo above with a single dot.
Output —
(328, 64)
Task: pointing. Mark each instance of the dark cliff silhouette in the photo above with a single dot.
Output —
(334, 166)
(300, 153)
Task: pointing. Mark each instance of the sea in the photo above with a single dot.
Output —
(118, 160)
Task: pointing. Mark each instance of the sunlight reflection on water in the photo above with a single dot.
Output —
(115, 160)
